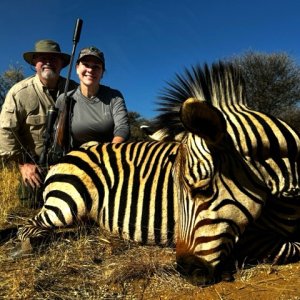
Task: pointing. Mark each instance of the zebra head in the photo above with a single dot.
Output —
(217, 194)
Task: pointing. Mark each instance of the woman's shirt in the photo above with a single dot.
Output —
(99, 118)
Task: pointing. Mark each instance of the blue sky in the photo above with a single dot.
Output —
(146, 42)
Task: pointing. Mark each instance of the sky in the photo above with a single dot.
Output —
(147, 42)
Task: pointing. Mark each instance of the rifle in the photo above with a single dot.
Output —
(51, 118)
(61, 142)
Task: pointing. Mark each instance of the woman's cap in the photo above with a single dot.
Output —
(92, 51)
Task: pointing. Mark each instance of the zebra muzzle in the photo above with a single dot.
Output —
(197, 271)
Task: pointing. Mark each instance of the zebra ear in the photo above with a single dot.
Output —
(202, 119)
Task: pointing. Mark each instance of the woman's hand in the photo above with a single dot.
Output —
(118, 139)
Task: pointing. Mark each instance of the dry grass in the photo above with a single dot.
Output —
(8, 191)
(89, 264)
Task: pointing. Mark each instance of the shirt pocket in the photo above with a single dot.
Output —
(8, 118)
(36, 120)
(36, 125)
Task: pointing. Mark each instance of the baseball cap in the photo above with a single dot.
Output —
(92, 51)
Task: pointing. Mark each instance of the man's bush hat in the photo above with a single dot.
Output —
(47, 47)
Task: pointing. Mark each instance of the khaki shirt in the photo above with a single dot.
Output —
(23, 117)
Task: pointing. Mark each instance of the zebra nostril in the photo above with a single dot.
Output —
(201, 276)
(185, 264)
(198, 272)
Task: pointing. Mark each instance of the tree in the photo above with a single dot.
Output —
(272, 81)
(13, 75)
(135, 121)
(292, 117)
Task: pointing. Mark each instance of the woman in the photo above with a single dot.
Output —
(98, 113)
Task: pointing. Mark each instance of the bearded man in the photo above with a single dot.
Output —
(24, 112)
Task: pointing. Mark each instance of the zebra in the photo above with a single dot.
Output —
(199, 189)
(269, 146)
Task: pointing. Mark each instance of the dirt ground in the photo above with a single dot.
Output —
(94, 265)
(89, 264)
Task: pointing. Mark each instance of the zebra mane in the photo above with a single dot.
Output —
(221, 85)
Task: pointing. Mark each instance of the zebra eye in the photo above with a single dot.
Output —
(204, 191)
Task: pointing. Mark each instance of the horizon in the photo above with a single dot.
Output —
(147, 43)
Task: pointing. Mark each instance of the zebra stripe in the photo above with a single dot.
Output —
(231, 173)
(123, 197)
(269, 146)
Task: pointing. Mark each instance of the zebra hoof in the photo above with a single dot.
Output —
(22, 249)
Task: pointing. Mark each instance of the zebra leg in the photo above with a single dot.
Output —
(287, 248)
(33, 228)
(260, 245)
(275, 235)
(40, 227)
(64, 205)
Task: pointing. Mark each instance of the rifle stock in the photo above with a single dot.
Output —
(61, 142)
(51, 118)
(62, 133)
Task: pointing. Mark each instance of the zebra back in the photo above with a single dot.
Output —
(126, 188)
(269, 146)
(201, 192)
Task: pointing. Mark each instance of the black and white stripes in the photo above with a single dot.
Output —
(228, 166)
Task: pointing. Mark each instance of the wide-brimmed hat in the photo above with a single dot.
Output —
(46, 46)
(92, 51)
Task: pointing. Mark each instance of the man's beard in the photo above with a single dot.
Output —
(49, 74)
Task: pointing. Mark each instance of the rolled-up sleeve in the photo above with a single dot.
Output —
(120, 116)
(9, 126)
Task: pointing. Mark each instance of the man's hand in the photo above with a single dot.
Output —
(30, 174)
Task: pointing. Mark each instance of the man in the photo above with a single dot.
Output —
(24, 112)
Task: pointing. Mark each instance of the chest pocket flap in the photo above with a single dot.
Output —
(8, 118)
(36, 120)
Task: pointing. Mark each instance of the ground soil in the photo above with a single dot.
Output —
(89, 264)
